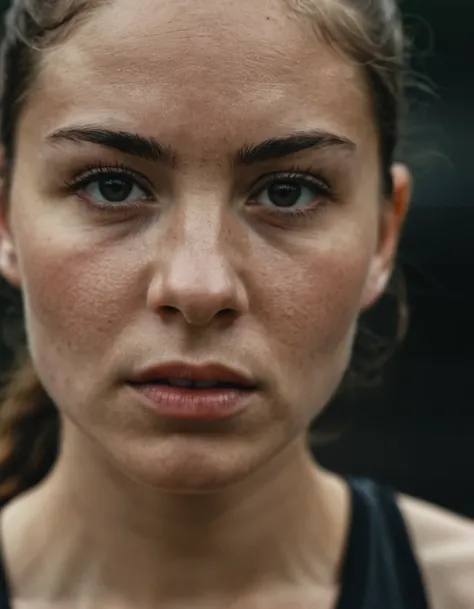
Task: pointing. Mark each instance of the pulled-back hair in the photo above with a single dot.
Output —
(368, 32)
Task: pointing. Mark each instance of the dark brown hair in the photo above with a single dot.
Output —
(368, 32)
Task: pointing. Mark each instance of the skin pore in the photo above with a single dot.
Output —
(200, 266)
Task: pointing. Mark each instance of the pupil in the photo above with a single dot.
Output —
(284, 194)
(116, 189)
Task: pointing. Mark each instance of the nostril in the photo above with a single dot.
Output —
(226, 313)
(198, 315)
(169, 310)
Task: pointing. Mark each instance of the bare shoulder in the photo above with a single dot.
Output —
(444, 545)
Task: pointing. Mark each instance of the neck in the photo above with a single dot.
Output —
(99, 531)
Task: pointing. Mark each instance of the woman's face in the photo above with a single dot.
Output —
(196, 182)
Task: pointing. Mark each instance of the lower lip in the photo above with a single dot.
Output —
(194, 404)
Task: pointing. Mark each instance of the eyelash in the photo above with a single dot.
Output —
(306, 177)
(100, 170)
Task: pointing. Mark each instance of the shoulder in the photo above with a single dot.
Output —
(444, 546)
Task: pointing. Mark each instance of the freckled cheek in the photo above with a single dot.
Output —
(77, 300)
(315, 305)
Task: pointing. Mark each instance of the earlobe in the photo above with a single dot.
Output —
(376, 284)
(391, 223)
(8, 262)
(9, 267)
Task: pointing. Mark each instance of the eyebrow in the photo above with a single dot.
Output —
(278, 148)
(151, 149)
(129, 143)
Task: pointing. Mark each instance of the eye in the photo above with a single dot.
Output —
(109, 187)
(114, 188)
(290, 192)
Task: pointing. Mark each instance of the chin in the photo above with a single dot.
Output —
(191, 465)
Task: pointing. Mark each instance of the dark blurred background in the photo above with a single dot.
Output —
(416, 430)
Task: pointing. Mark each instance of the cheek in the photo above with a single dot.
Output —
(316, 298)
(318, 309)
(77, 300)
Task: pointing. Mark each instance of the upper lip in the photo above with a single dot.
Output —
(190, 372)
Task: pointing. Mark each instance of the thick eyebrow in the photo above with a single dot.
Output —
(150, 149)
(129, 143)
(278, 148)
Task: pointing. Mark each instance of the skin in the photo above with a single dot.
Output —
(205, 271)
(444, 544)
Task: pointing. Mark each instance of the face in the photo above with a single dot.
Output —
(197, 183)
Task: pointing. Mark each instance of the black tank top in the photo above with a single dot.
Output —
(379, 568)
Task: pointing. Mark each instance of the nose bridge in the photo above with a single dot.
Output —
(201, 246)
(198, 276)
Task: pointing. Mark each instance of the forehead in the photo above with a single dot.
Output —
(188, 68)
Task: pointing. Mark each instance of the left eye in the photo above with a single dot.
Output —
(114, 188)
(289, 193)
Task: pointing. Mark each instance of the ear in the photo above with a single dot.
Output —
(8, 259)
(391, 222)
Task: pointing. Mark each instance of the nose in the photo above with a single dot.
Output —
(197, 281)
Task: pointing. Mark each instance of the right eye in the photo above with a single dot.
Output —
(111, 188)
(115, 189)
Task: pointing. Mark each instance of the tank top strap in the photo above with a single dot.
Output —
(4, 593)
(379, 568)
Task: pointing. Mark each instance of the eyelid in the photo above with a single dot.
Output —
(87, 176)
(308, 177)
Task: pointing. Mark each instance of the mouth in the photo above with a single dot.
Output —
(188, 376)
(195, 384)
(190, 392)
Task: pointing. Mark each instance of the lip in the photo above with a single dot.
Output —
(191, 403)
(189, 372)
